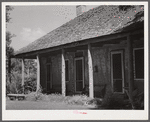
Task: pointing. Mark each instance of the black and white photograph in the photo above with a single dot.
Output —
(75, 60)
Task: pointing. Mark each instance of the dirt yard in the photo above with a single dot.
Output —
(40, 105)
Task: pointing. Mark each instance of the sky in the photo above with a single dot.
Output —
(29, 23)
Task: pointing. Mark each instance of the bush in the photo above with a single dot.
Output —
(15, 84)
(30, 84)
(35, 96)
(112, 101)
(78, 99)
(97, 102)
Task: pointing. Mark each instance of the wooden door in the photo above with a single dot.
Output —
(117, 71)
(79, 74)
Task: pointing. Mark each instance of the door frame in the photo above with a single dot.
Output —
(122, 64)
(79, 58)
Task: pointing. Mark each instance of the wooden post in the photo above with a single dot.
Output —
(90, 67)
(23, 74)
(130, 66)
(38, 73)
(63, 74)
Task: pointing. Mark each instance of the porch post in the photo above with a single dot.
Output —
(130, 65)
(90, 67)
(63, 74)
(22, 74)
(38, 73)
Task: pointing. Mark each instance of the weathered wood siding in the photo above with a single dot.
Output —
(56, 72)
(43, 73)
(70, 86)
(101, 58)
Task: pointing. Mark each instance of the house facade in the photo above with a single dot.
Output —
(103, 47)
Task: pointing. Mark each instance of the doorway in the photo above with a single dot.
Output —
(117, 71)
(79, 74)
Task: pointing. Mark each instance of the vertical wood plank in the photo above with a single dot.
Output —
(38, 73)
(130, 65)
(63, 74)
(90, 68)
(23, 74)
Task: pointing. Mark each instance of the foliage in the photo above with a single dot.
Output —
(9, 51)
(8, 9)
(16, 66)
(30, 82)
(78, 99)
(97, 102)
(112, 101)
(30, 67)
(15, 85)
(55, 97)
(16, 76)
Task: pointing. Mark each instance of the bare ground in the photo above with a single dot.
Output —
(40, 105)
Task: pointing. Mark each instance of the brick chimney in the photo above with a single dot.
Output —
(80, 9)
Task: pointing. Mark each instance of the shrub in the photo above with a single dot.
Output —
(78, 99)
(30, 84)
(15, 84)
(35, 96)
(97, 102)
(112, 101)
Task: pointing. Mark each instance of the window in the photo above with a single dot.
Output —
(67, 70)
(139, 63)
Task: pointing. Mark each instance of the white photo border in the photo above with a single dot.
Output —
(69, 114)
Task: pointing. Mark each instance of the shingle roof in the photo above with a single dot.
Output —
(100, 21)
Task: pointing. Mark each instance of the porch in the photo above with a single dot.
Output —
(71, 67)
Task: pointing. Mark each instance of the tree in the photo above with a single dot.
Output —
(30, 67)
(13, 76)
(9, 49)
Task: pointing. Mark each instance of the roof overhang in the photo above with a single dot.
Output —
(101, 39)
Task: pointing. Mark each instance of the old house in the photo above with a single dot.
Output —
(100, 47)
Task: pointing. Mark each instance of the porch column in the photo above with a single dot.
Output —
(63, 74)
(130, 65)
(38, 73)
(22, 74)
(90, 67)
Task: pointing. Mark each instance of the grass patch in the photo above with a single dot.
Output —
(73, 100)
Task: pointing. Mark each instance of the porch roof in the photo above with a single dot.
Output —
(100, 21)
